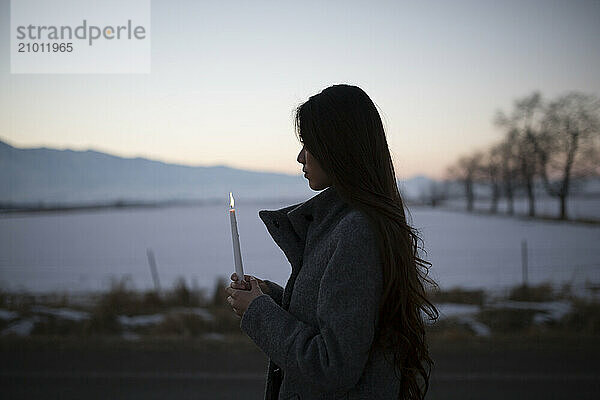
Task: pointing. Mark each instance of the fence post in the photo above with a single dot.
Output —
(524, 261)
(153, 270)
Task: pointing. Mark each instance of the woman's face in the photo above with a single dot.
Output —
(317, 178)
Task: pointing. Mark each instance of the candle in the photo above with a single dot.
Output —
(237, 254)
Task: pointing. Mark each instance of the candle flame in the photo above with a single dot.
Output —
(231, 202)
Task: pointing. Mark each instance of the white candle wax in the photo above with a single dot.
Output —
(237, 254)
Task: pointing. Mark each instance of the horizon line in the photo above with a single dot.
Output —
(164, 161)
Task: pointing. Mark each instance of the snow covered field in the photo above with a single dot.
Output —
(577, 207)
(81, 251)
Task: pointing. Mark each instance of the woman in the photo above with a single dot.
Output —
(348, 323)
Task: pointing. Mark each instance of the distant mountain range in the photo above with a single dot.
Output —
(52, 177)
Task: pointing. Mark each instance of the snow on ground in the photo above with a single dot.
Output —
(8, 315)
(140, 320)
(154, 319)
(197, 311)
(21, 327)
(467, 314)
(548, 311)
(461, 313)
(63, 313)
(577, 207)
(82, 251)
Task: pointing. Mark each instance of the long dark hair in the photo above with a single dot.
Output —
(342, 129)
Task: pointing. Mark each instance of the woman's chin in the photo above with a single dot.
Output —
(315, 186)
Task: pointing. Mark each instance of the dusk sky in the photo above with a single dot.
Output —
(226, 77)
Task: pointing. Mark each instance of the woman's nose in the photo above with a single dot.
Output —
(301, 156)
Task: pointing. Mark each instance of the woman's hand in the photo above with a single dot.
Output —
(245, 284)
(240, 298)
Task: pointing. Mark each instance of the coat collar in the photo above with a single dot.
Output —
(289, 226)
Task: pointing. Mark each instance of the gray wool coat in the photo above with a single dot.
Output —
(319, 330)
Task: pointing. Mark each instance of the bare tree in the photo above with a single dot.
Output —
(567, 143)
(491, 172)
(509, 169)
(434, 193)
(524, 124)
(466, 171)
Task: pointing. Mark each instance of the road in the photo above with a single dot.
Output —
(465, 370)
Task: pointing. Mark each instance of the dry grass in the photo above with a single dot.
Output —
(543, 292)
(122, 300)
(458, 295)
